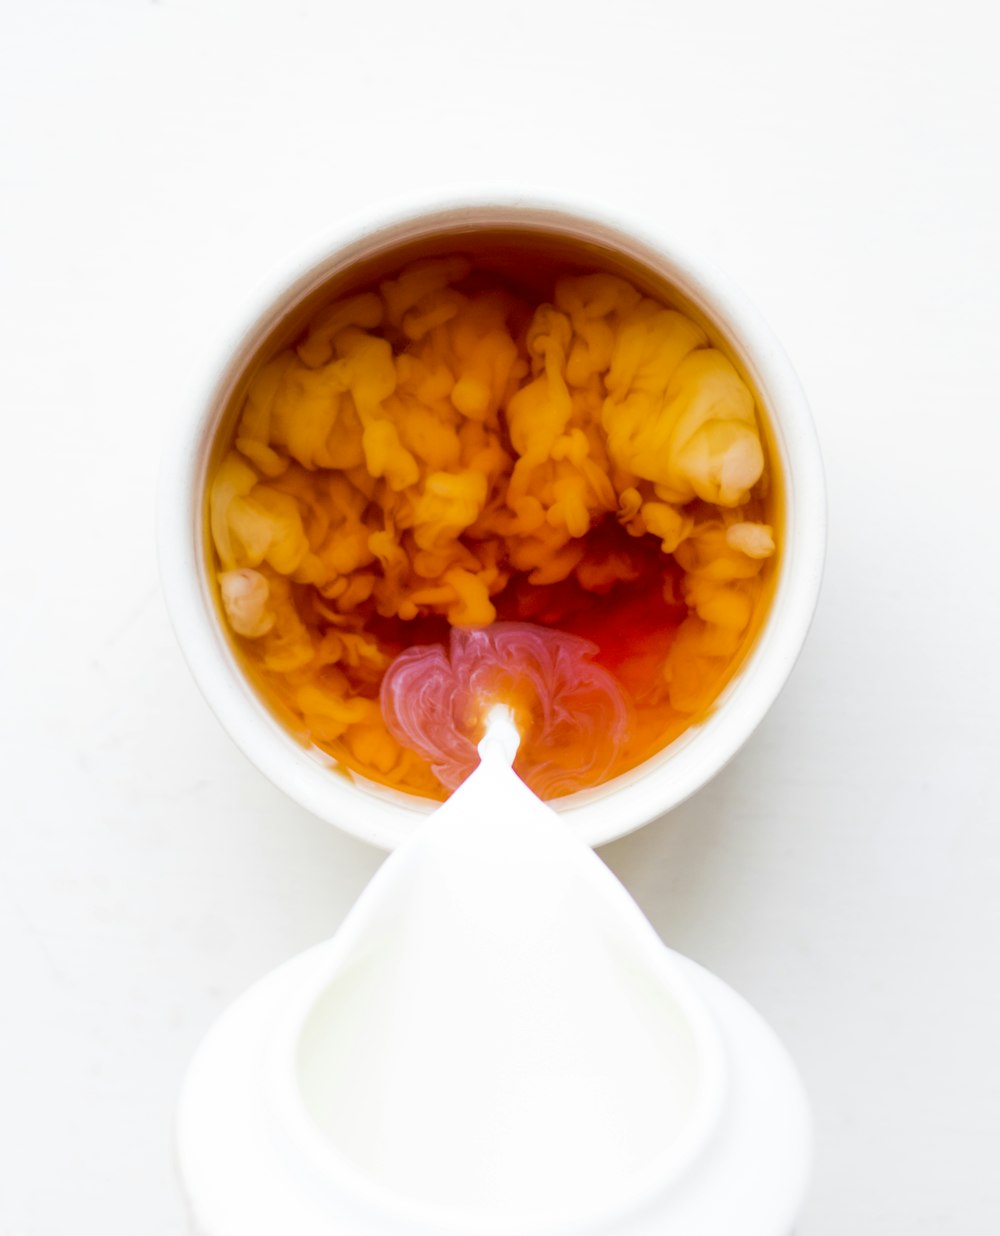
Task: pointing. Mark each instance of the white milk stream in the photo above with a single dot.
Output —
(495, 1043)
(505, 1035)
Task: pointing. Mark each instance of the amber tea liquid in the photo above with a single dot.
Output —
(502, 428)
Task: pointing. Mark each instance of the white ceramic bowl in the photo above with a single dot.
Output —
(384, 816)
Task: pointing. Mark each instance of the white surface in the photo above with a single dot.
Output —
(840, 162)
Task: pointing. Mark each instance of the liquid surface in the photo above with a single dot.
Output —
(504, 1034)
(460, 445)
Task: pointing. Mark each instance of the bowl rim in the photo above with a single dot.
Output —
(384, 817)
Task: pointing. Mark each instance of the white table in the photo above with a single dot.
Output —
(842, 165)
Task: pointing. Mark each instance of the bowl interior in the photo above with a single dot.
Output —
(536, 237)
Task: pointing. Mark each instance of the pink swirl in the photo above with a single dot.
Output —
(572, 714)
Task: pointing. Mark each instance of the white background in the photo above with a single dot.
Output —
(841, 162)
